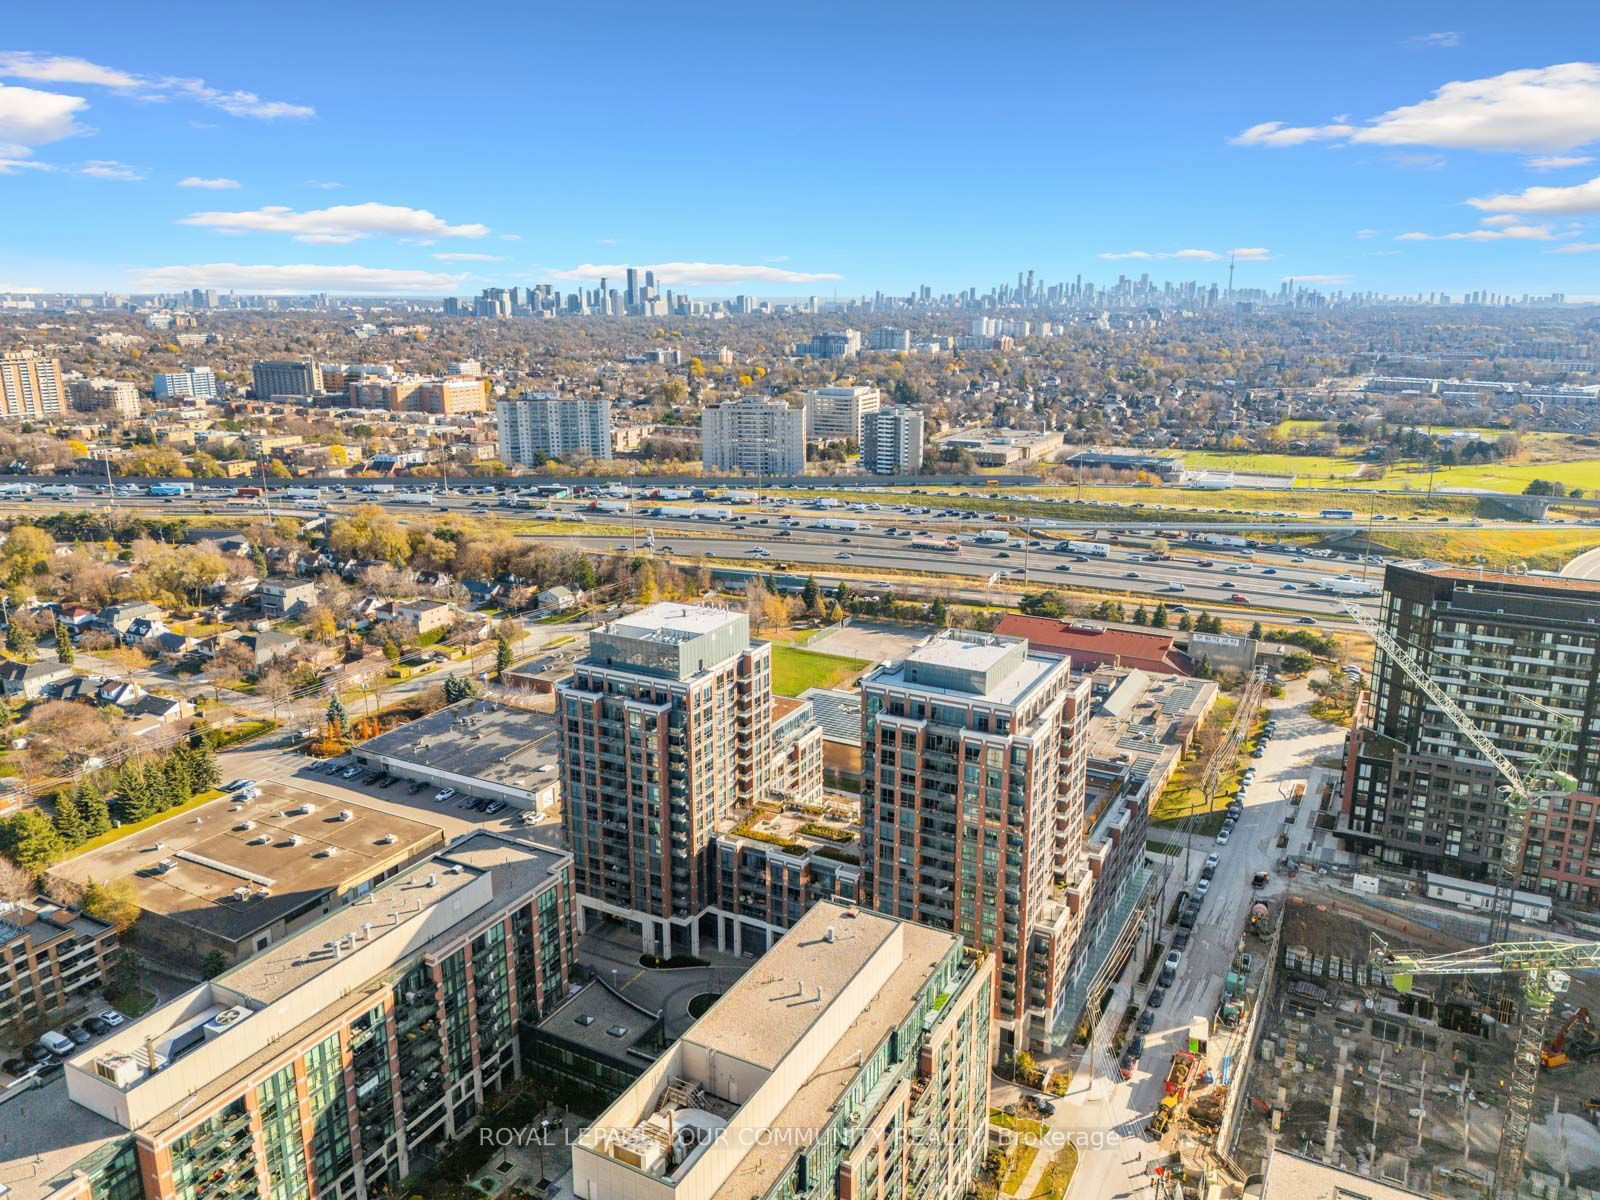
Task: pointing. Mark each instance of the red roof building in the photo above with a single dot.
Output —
(1091, 645)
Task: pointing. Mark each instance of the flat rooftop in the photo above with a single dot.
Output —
(46, 1134)
(510, 747)
(240, 866)
(1291, 1177)
(972, 656)
(592, 1017)
(669, 622)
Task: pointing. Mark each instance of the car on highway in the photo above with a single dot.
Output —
(1130, 575)
(1269, 570)
(443, 797)
(1004, 554)
(1236, 598)
(1298, 560)
(842, 554)
(1289, 587)
(1205, 562)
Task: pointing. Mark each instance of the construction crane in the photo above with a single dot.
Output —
(1543, 967)
(1554, 1053)
(1520, 792)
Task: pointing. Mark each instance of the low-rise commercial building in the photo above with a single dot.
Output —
(480, 748)
(335, 1063)
(237, 876)
(811, 1075)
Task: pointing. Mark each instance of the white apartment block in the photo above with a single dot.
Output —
(753, 436)
(541, 425)
(30, 386)
(837, 412)
(891, 441)
(198, 383)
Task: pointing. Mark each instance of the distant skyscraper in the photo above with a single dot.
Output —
(632, 296)
(30, 387)
(891, 441)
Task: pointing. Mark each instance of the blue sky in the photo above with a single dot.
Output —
(801, 149)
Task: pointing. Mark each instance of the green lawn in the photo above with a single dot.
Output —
(1537, 549)
(122, 831)
(794, 670)
(1303, 466)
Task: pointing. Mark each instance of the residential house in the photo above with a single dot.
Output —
(267, 647)
(142, 628)
(427, 615)
(124, 693)
(559, 599)
(283, 596)
(118, 617)
(76, 617)
(33, 681)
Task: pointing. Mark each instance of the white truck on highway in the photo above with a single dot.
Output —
(992, 537)
(59, 489)
(1346, 585)
(1092, 549)
(707, 512)
(610, 506)
(837, 524)
(1221, 539)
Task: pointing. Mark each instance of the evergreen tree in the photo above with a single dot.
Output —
(811, 595)
(93, 809)
(213, 965)
(1141, 616)
(843, 595)
(64, 648)
(69, 820)
(584, 575)
(1158, 619)
(204, 771)
(1255, 631)
(340, 719)
(1184, 623)
(137, 796)
(391, 651)
(502, 658)
(30, 841)
(939, 612)
(20, 641)
(127, 977)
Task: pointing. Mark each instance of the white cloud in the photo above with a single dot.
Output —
(62, 68)
(607, 241)
(1242, 253)
(217, 184)
(1316, 279)
(470, 257)
(1578, 248)
(59, 68)
(1416, 162)
(1368, 233)
(1542, 108)
(10, 166)
(1557, 162)
(1547, 201)
(294, 278)
(1448, 40)
(29, 117)
(106, 168)
(510, 237)
(778, 258)
(325, 184)
(1495, 231)
(696, 274)
(337, 225)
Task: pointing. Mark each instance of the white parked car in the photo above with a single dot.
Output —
(447, 794)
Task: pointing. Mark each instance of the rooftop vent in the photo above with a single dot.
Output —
(225, 1020)
(345, 814)
(245, 825)
(327, 852)
(388, 839)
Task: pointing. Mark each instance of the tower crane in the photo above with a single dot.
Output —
(1543, 967)
(1520, 792)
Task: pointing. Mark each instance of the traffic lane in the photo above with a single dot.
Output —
(1202, 591)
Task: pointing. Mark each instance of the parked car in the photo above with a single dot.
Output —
(1147, 1020)
(1158, 997)
(350, 772)
(1204, 886)
(1213, 859)
(16, 1066)
(446, 795)
(96, 1026)
(388, 781)
(77, 1033)
(494, 806)
(240, 785)
(416, 787)
(112, 1017)
(1173, 960)
(1167, 977)
(1181, 938)
(1222, 837)
(55, 1042)
(371, 777)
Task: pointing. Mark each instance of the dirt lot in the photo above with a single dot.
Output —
(876, 640)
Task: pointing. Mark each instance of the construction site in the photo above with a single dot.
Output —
(1410, 1080)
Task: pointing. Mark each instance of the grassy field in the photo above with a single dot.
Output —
(1303, 466)
(794, 670)
(1537, 549)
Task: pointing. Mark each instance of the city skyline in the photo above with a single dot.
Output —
(1460, 157)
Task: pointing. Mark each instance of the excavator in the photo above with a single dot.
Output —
(1555, 1053)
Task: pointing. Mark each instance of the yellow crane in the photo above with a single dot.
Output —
(1543, 967)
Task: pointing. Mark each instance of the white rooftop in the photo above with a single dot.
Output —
(666, 619)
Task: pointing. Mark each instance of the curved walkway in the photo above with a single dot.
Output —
(1585, 566)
